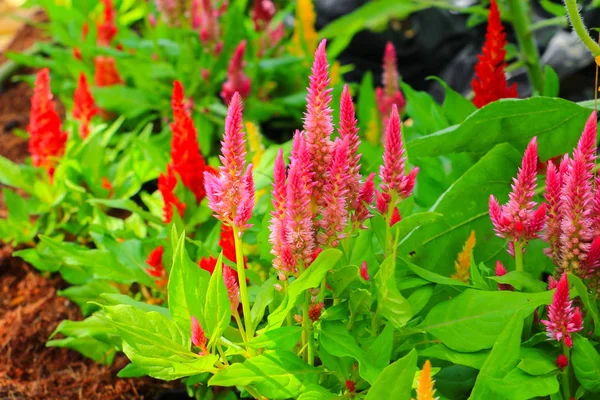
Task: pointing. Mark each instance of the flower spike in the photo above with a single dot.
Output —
(84, 107)
(563, 319)
(362, 207)
(107, 29)
(198, 336)
(166, 185)
(390, 94)
(425, 390)
(278, 233)
(462, 265)
(106, 73)
(349, 129)
(236, 81)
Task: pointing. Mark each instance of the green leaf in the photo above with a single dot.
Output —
(336, 340)
(262, 300)
(116, 299)
(433, 277)
(515, 121)
(442, 352)
(420, 297)
(157, 344)
(518, 385)
(589, 302)
(274, 374)
(129, 205)
(341, 278)
(502, 359)
(390, 303)
(536, 361)
(217, 308)
(360, 301)
(487, 313)
(395, 381)
(284, 337)
(14, 175)
(316, 392)
(425, 112)
(187, 288)
(90, 291)
(100, 352)
(380, 352)
(521, 281)
(586, 363)
(310, 278)
(551, 81)
(456, 108)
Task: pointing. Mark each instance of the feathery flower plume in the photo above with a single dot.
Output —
(185, 152)
(362, 208)
(425, 390)
(278, 232)
(462, 265)
(364, 271)
(156, 267)
(231, 192)
(230, 277)
(171, 11)
(335, 192)
(563, 319)
(349, 129)
(166, 185)
(314, 312)
(206, 20)
(501, 271)
(395, 184)
(84, 107)
(105, 72)
(552, 195)
(107, 29)
(518, 220)
(390, 94)
(198, 336)
(305, 36)
(350, 386)
(299, 219)
(46, 140)
(318, 121)
(490, 82)
(236, 81)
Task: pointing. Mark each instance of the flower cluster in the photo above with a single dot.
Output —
(563, 319)
(84, 107)
(462, 265)
(425, 390)
(390, 94)
(166, 186)
(236, 81)
(205, 19)
(490, 82)
(107, 28)
(46, 139)
(262, 14)
(156, 268)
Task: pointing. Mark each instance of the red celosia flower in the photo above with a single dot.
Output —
(206, 19)
(107, 29)
(230, 277)
(562, 361)
(198, 336)
(46, 140)
(236, 81)
(166, 185)
(350, 386)
(314, 311)
(518, 220)
(563, 319)
(362, 211)
(84, 107)
(390, 94)
(395, 217)
(364, 271)
(501, 271)
(490, 83)
(157, 268)
(77, 54)
(106, 73)
(185, 153)
(227, 245)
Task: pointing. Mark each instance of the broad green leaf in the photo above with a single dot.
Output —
(336, 340)
(390, 303)
(380, 352)
(414, 221)
(360, 301)
(217, 308)
(536, 361)
(90, 291)
(90, 347)
(395, 381)
(487, 313)
(274, 374)
(557, 123)
(187, 288)
(116, 299)
(442, 352)
(341, 278)
(420, 297)
(262, 300)
(156, 344)
(14, 175)
(456, 108)
(521, 281)
(586, 363)
(425, 112)
(316, 392)
(551, 81)
(589, 302)
(284, 337)
(310, 278)
(433, 277)
(129, 205)
(502, 359)
(518, 385)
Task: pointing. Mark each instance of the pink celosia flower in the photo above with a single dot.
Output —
(335, 212)
(198, 336)
(206, 19)
(518, 220)
(362, 208)
(552, 283)
(364, 271)
(396, 185)
(233, 290)
(278, 233)
(390, 94)
(262, 13)
(318, 122)
(236, 81)
(231, 192)
(107, 29)
(299, 219)
(501, 271)
(349, 129)
(552, 231)
(563, 319)
(395, 217)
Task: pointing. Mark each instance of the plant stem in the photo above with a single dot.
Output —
(519, 257)
(239, 257)
(236, 316)
(566, 384)
(288, 316)
(556, 21)
(580, 29)
(310, 356)
(520, 18)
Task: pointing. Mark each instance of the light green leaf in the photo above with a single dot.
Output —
(521, 281)
(390, 303)
(433, 277)
(442, 352)
(518, 385)
(380, 352)
(589, 302)
(395, 381)
(536, 361)
(586, 363)
(284, 337)
(217, 308)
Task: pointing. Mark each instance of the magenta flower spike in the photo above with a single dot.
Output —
(231, 193)
(198, 336)
(390, 94)
(563, 319)
(362, 208)
(396, 185)
(237, 81)
(349, 129)
(518, 220)
(278, 235)
(299, 218)
(233, 289)
(318, 121)
(335, 212)
(552, 232)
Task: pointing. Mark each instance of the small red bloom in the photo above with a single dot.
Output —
(350, 386)
(562, 361)
(106, 73)
(390, 94)
(77, 54)
(84, 107)
(364, 271)
(490, 82)
(107, 29)
(236, 81)
(501, 271)
(314, 312)
(395, 217)
(166, 185)
(227, 244)
(46, 140)
(563, 318)
(198, 336)
(157, 268)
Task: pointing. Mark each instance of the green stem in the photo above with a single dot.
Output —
(519, 257)
(288, 316)
(374, 324)
(239, 256)
(519, 11)
(236, 316)
(566, 379)
(556, 21)
(310, 356)
(580, 29)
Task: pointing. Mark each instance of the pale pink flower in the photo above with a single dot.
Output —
(198, 336)
(563, 319)
(233, 289)
(518, 220)
(278, 235)
(390, 95)
(501, 271)
(237, 81)
(318, 122)
(231, 192)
